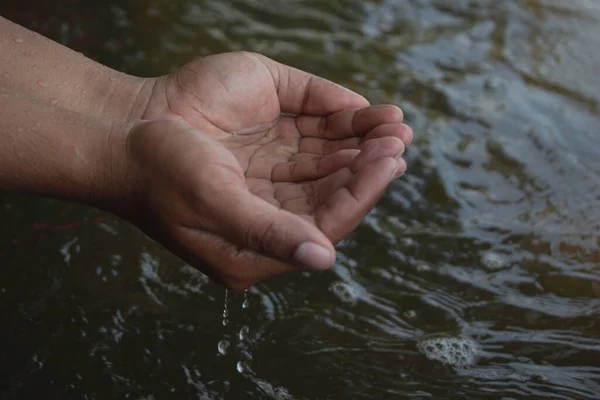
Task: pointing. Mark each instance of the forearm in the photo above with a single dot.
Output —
(41, 68)
(54, 152)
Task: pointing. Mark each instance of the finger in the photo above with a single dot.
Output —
(325, 146)
(348, 123)
(302, 93)
(399, 130)
(323, 187)
(304, 171)
(305, 198)
(373, 149)
(253, 224)
(401, 168)
(369, 152)
(225, 263)
(344, 210)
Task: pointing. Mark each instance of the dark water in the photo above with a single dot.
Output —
(492, 237)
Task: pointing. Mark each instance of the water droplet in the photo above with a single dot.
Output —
(84, 91)
(53, 102)
(112, 79)
(223, 346)
(241, 367)
(244, 332)
(42, 83)
(18, 40)
(77, 86)
(410, 314)
(226, 308)
(246, 304)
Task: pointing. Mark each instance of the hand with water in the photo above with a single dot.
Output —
(295, 163)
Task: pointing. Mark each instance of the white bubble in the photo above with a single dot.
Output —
(493, 260)
(457, 351)
(345, 292)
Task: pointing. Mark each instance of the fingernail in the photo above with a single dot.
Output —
(313, 256)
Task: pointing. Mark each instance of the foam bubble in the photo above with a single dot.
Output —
(457, 351)
(492, 260)
(345, 292)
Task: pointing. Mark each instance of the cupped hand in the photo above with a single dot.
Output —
(262, 168)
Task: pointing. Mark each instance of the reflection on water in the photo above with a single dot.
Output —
(491, 240)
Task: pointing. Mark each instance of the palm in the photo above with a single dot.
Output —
(305, 163)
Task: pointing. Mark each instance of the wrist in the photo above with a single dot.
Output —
(154, 102)
(123, 97)
(116, 178)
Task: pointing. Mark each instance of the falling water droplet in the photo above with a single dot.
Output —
(244, 332)
(42, 83)
(241, 367)
(84, 91)
(226, 308)
(223, 346)
(53, 102)
(245, 304)
(18, 40)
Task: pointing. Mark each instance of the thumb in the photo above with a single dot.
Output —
(254, 224)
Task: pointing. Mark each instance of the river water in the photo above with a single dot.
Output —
(477, 276)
